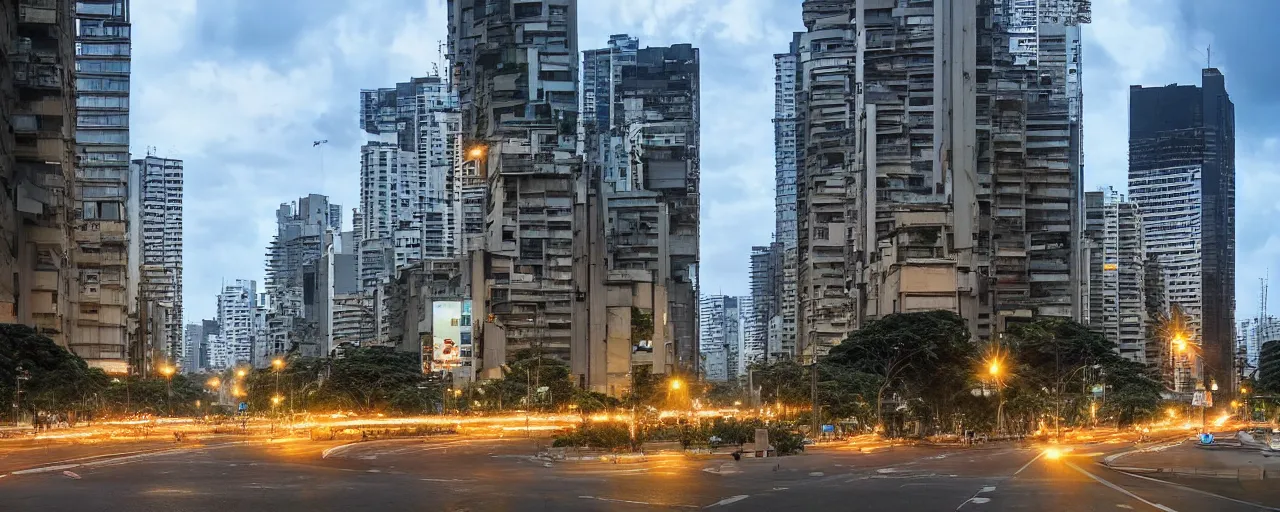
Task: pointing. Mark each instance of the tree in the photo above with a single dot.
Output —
(913, 355)
(57, 380)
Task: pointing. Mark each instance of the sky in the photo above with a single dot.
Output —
(239, 89)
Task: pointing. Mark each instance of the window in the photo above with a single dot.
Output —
(102, 101)
(102, 137)
(103, 84)
(102, 49)
(111, 120)
(102, 66)
(105, 157)
(99, 29)
(100, 9)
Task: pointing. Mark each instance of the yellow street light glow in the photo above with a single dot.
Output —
(476, 153)
(277, 363)
(457, 392)
(1244, 391)
(275, 400)
(167, 371)
(1173, 413)
(240, 373)
(1053, 454)
(1235, 404)
(675, 384)
(994, 368)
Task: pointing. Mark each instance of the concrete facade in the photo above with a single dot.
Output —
(641, 136)
(102, 67)
(305, 233)
(901, 204)
(37, 164)
(515, 68)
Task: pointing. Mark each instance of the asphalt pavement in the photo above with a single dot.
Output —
(459, 474)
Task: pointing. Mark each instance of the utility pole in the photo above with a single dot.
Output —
(20, 376)
(813, 393)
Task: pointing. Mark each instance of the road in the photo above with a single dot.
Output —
(457, 474)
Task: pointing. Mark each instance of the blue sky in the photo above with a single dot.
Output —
(240, 88)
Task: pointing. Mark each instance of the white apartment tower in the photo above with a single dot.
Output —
(409, 201)
(156, 239)
(1114, 298)
(720, 338)
(236, 306)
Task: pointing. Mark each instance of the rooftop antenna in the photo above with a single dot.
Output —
(1208, 56)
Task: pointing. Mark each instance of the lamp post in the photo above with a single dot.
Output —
(214, 383)
(167, 371)
(994, 369)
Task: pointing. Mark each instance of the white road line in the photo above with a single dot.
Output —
(726, 501)
(1206, 493)
(1118, 488)
(45, 469)
(1028, 464)
(979, 501)
(612, 500)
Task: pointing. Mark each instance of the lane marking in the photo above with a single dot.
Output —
(975, 499)
(979, 501)
(612, 500)
(1028, 464)
(45, 469)
(1206, 493)
(1117, 488)
(726, 501)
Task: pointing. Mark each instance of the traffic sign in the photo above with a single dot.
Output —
(244, 406)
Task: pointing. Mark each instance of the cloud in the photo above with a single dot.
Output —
(240, 95)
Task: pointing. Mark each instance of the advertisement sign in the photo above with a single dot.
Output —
(446, 334)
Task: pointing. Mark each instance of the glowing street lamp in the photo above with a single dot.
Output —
(240, 373)
(476, 152)
(676, 384)
(167, 371)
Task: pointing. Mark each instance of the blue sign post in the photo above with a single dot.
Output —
(244, 406)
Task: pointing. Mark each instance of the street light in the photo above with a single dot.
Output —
(476, 152)
(676, 384)
(167, 371)
(993, 369)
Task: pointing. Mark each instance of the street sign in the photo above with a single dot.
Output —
(244, 406)
(827, 429)
(1202, 399)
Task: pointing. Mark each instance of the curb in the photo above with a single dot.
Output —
(1106, 461)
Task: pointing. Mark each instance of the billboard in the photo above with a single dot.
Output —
(446, 334)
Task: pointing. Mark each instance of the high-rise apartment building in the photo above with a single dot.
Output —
(102, 142)
(37, 164)
(305, 232)
(1182, 175)
(1113, 301)
(1253, 334)
(780, 310)
(236, 304)
(642, 145)
(155, 239)
(515, 68)
(409, 200)
(938, 162)
(720, 342)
